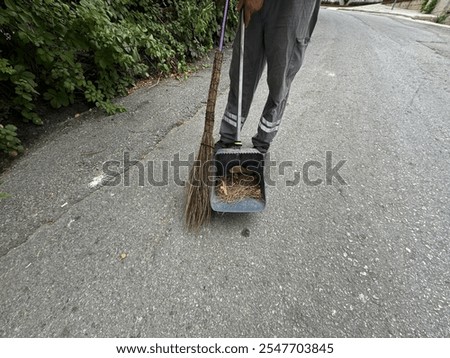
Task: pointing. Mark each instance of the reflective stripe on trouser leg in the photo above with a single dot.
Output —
(228, 126)
(288, 28)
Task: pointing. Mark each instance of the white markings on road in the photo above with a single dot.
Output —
(331, 74)
(96, 181)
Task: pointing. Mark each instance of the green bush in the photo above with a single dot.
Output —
(9, 143)
(441, 18)
(428, 6)
(57, 51)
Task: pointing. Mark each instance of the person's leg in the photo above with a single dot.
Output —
(288, 28)
(254, 62)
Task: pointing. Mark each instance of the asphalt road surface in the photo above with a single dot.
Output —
(368, 258)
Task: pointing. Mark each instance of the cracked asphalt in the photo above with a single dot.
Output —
(367, 259)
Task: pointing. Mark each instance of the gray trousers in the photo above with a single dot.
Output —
(278, 35)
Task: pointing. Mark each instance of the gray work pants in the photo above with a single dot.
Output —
(277, 35)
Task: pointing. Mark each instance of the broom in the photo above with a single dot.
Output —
(198, 209)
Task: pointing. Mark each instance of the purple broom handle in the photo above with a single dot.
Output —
(222, 34)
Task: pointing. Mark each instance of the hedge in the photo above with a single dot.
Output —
(58, 51)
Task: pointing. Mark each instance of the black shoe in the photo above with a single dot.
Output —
(222, 145)
(262, 150)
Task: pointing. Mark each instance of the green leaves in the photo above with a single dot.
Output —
(44, 55)
(9, 143)
(10, 5)
(58, 98)
(5, 68)
(428, 6)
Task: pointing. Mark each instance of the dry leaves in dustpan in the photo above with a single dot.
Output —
(238, 185)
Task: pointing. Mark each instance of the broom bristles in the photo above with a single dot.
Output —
(198, 209)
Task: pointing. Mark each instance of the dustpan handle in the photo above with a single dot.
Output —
(241, 76)
(224, 22)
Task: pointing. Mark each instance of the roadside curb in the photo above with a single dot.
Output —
(424, 18)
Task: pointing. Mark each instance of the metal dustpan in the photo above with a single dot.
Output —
(248, 159)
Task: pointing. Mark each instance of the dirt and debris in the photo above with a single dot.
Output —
(239, 184)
